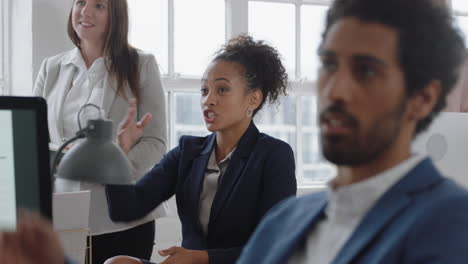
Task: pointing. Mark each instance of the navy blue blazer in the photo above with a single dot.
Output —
(423, 218)
(261, 172)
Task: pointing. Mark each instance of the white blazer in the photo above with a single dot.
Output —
(54, 82)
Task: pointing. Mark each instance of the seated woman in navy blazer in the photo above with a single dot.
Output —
(224, 183)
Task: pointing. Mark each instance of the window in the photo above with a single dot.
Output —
(460, 11)
(460, 5)
(296, 36)
(312, 25)
(188, 115)
(197, 35)
(180, 38)
(153, 15)
(184, 37)
(264, 24)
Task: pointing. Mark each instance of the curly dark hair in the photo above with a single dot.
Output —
(430, 47)
(262, 66)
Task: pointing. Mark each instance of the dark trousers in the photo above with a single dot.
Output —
(136, 242)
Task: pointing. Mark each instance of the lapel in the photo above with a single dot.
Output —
(195, 182)
(392, 203)
(234, 170)
(109, 95)
(64, 82)
(297, 227)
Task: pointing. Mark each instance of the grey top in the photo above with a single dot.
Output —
(213, 175)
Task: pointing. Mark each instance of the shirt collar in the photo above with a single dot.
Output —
(75, 58)
(213, 165)
(358, 198)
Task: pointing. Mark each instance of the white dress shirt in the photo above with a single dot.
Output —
(86, 88)
(346, 207)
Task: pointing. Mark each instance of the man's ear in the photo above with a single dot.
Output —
(422, 103)
(256, 97)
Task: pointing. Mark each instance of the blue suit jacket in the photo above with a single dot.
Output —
(261, 172)
(422, 219)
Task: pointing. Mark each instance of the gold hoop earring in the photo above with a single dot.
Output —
(249, 112)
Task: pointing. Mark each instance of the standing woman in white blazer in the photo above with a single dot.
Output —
(106, 71)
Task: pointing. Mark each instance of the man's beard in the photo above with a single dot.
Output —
(363, 146)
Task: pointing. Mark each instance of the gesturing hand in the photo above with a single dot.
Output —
(179, 255)
(130, 131)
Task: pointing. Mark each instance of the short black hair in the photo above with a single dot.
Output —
(430, 46)
(262, 66)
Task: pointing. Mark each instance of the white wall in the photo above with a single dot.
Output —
(21, 47)
(38, 30)
(49, 32)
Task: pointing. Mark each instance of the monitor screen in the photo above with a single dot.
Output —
(25, 181)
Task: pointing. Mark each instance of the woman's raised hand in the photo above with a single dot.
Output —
(130, 131)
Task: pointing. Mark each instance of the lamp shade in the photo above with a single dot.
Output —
(96, 158)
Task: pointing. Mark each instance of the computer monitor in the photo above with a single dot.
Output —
(25, 181)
